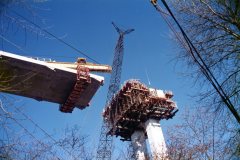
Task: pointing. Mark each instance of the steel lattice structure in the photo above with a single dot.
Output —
(104, 151)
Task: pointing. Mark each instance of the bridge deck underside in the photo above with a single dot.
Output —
(37, 80)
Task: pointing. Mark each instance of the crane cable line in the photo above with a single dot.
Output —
(51, 34)
(8, 41)
(69, 45)
(25, 129)
(204, 68)
(179, 37)
(45, 132)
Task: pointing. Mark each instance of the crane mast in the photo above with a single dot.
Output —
(104, 151)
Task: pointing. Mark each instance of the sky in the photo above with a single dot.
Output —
(149, 52)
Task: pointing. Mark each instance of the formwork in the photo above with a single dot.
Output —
(48, 82)
(133, 105)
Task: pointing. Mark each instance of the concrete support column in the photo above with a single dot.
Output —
(156, 140)
(139, 145)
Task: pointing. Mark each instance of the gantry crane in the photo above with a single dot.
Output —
(105, 142)
(82, 62)
(83, 79)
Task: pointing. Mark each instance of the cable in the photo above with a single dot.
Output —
(41, 143)
(59, 39)
(36, 125)
(204, 68)
(164, 16)
(5, 39)
(45, 132)
(31, 134)
(212, 79)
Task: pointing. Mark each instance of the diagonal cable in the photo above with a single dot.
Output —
(204, 68)
(51, 34)
(45, 132)
(25, 129)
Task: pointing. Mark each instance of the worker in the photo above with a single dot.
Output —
(154, 2)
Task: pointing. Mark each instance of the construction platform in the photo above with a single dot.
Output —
(133, 105)
(45, 81)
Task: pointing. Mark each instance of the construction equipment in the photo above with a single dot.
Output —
(82, 62)
(105, 142)
(134, 113)
(68, 84)
(83, 79)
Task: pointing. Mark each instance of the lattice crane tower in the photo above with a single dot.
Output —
(105, 142)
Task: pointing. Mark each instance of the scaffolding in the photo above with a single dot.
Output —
(83, 80)
(134, 113)
(133, 105)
